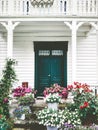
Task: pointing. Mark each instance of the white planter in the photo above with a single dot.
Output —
(53, 106)
(51, 128)
(22, 117)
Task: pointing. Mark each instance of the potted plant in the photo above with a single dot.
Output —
(55, 88)
(52, 119)
(22, 91)
(26, 100)
(71, 118)
(85, 101)
(20, 112)
(52, 100)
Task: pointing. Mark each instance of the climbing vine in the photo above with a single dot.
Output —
(7, 80)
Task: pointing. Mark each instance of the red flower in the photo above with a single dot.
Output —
(86, 104)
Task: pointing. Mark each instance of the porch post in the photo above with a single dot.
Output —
(74, 50)
(10, 27)
(10, 39)
(97, 50)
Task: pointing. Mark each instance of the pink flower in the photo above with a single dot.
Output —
(5, 100)
(21, 91)
(28, 90)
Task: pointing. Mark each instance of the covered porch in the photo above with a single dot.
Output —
(19, 36)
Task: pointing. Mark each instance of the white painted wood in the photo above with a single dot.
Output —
(97, 53)
(3, 52)
(10, 40)
(74, 50)
(10, 7)
(73, 7)
(86, 59)
(23, 52)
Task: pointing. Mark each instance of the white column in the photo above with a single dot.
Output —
(74, 50)
(10, 27)
(10, 40)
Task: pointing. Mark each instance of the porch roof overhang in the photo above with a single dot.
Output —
(54, 26)
(47, 28)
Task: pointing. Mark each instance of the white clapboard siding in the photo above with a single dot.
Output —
(69, 63)
(3, 52)
(23, 52)
(24, 55)
(86, 59)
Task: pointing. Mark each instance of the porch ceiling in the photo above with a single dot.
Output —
(47, 29)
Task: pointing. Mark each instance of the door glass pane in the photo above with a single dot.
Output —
(44, 52)
(57, 52)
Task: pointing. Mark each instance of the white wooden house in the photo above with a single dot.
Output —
(56, 43)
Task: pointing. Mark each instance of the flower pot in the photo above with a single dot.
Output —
(53, 106)
(22, 117)
(51, 128)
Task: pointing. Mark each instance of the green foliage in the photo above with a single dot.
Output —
(85, 101)
(26, 100)
(7, 80)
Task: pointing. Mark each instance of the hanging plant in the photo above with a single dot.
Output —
(42, 3)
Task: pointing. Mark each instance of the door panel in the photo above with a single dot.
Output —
(50, 64)
(44, 71)
(50, 71)
(57, 70)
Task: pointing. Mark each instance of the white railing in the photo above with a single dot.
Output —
(59, 7)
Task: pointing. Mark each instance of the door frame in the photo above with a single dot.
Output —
(54, 45)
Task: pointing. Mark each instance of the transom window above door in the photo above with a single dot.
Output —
(50, 52)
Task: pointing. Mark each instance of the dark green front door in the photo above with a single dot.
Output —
(50, 68)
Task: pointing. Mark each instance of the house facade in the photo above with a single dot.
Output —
(52, 41)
